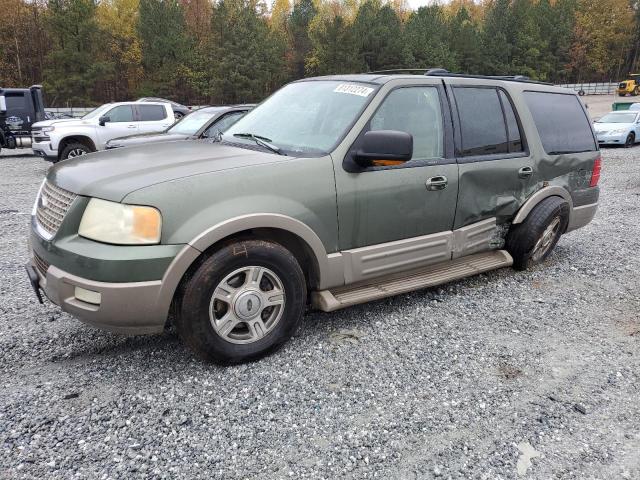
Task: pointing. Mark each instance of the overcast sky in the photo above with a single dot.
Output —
(415, 4)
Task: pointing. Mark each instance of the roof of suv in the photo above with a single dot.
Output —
(383, 77)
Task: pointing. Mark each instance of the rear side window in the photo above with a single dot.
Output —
(150, 113)
(561, 122)
(487, 122)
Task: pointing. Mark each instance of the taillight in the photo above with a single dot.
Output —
(595, 175)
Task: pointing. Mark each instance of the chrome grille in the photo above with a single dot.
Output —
(53, 204)
(41, 264)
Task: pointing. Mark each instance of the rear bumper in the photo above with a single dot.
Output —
(582, 215)
(130, 308)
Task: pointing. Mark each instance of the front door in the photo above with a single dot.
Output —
(395, 217)
(121, 124)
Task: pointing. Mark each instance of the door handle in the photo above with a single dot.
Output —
(525, 172)
(437, 183)
(131, 126)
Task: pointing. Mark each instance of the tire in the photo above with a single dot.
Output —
(178, 115)
(216, 313)
(531, 241)
(74, 150)
(630, 141)
(581, 93)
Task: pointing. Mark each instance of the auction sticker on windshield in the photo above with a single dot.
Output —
(353, 89)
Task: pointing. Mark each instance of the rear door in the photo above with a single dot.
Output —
(153, 117)
(20, 114)
(497, 172)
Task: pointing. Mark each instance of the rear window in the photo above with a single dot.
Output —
(562, 124)
(15, 101)
(150, 113)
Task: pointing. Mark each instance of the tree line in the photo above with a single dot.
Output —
(87, 52)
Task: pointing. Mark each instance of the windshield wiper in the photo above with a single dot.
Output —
(260, 140)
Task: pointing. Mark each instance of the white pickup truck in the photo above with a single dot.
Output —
(57, 140)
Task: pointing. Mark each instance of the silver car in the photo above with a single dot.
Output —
(618, 128)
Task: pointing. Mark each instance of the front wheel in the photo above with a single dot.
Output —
(531, 241)
(242, 303)
(74, 150)
(630, 141)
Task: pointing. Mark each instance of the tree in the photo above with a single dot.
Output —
(73, 65)
(247, 61)
(166, 50)
(334, 47)
(496, 36)
(464, 41)
(426, 36)
(299, 21)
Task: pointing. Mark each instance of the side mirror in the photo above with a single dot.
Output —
(385, 146)
(103, 119)
(3, 104)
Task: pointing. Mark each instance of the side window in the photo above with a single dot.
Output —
(121, 113)
(482, 124)
(15, 101)
(223, 123)
(513, 130)
(561, 122)
(151, 113)
(415, 110)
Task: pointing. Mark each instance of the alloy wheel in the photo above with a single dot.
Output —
(247, 304)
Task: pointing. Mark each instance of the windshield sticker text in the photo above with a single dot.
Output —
(353, 89)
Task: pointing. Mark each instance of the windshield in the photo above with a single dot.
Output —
(191, 123)
(618, 118)
(96, 112)
(304, 117)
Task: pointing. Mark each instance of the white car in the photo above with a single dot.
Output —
(57, 140)
(618, 128)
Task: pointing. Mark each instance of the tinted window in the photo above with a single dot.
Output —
(15, 101)
(121, 113)
(562, 124)
(481, 121)
(415, 110)
(513, 130)
(150, 113)
(223, 123)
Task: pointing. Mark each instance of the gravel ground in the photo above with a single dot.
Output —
(505, 375)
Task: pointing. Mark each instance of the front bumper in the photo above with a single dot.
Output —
(130, 308)
(611, 139)
(44, 149)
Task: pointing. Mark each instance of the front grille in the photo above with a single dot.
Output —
(41, 264)
(53, 204)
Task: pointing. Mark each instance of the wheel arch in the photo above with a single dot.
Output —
(540, 195)
(84, 139)
(321, 269)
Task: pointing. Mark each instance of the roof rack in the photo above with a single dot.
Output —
(442, 72)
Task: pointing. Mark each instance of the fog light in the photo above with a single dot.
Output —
(88, 296)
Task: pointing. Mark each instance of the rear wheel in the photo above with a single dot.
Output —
(630, 141)
(531, 241)
(73, 150)
(242, 303)
(177, 115)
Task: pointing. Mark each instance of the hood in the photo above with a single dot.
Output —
(607, 127)
(48, 123)
(112, 174)
(131, 140)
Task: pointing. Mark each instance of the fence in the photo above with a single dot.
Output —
(593, 88)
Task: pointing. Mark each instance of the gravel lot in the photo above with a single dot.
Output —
(506, 375)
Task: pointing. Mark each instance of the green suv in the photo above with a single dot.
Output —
(332, 192)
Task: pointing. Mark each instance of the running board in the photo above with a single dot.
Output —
(390, 285)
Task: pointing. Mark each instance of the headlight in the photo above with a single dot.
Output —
(112, 222)
(48, 129)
